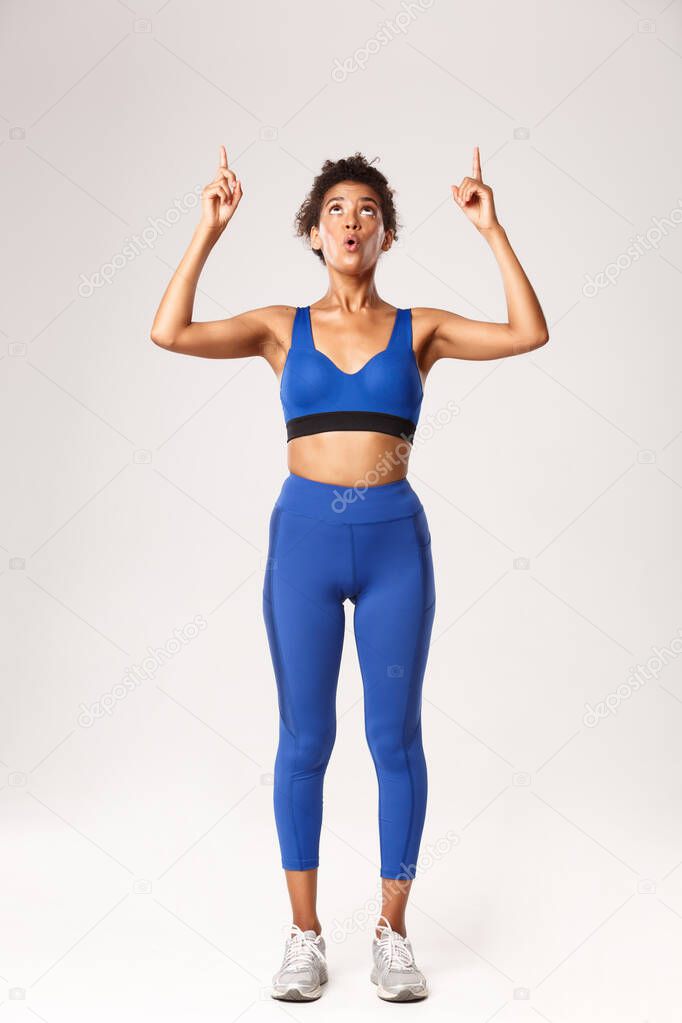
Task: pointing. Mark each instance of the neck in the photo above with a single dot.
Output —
(351, 293)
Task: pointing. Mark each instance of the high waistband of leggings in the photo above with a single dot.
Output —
(341, 505)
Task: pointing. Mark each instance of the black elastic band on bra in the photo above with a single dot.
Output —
(376, 422)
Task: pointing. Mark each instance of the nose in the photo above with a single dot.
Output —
(351, 219)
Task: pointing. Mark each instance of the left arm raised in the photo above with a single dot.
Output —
(448, 335)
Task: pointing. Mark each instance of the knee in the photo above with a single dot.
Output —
(388, 749)
(313, 750)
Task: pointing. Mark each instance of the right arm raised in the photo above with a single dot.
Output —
(233, 338)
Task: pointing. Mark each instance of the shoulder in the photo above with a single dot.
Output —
(279, 321)
(425, 316)
(276, 317)
(425, 321)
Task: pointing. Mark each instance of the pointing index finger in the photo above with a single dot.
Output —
(223, 156)
(477, 164)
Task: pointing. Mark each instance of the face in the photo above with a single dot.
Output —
(351, 231)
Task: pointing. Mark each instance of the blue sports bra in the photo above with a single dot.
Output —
(383, 396)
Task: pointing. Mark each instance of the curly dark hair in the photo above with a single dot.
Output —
(349, 168)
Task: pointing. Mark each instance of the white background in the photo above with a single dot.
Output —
(141, 873)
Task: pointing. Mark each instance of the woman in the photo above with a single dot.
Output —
(347, 524)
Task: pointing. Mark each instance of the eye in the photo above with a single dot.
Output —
(337, 206)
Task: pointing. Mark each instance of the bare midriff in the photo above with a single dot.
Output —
(350, 458)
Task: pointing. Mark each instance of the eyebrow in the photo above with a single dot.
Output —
(364, 198)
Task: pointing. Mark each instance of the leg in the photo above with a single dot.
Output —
(394, 896)
(302, 887)
(305, 623)
(394, 613)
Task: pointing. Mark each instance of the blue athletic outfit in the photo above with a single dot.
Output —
(372, 546)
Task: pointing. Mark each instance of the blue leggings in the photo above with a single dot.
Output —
(373, 547)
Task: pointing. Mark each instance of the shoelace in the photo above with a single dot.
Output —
(300, 950)
(394, 948)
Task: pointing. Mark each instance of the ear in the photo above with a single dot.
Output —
(388, 240)
(315, 242)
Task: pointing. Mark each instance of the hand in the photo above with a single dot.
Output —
(475, 198)
(220, 199)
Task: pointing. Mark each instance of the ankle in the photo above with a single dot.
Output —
(309, 925)
(398, 926)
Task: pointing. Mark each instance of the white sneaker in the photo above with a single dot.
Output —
(304, 967)
(395, 972)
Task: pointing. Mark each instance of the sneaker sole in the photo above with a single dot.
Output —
(294, 994)
(406, 994)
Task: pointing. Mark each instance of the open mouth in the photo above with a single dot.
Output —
(351, 244)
